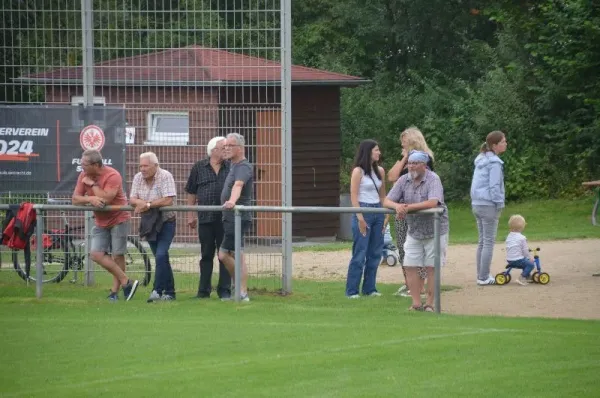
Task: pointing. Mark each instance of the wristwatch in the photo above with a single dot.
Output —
(148, 204)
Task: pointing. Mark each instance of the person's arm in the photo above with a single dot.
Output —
(111, 188)
(382, 192)
(435, 194)
(395, 171)
(355, 178)
(525, 249)
(79, 198)
(191, 190)
(168, 193)
(393, 198)
(241, 176)
(134, 195)
(496, 181)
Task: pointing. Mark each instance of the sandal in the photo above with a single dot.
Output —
(415, 308)
(428, 308)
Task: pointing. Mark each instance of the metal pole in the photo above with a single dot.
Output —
(87, 32)
(39, 253)
(238, 254)
(89, 265)
(286, 141)
(437, 262)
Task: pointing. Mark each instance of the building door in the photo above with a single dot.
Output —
(268, 170)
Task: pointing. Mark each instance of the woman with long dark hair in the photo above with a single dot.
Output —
(367, 190)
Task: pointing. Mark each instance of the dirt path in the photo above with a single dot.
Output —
(572, 292)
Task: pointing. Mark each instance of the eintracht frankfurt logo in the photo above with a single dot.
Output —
(91, 138)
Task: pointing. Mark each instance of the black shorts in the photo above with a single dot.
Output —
(228, 243)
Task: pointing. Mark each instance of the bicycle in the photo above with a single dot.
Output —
(61, 254)
(537, 276)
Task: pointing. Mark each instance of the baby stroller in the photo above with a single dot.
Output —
(390, 253)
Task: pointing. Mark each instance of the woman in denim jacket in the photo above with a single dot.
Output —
(367, 189)
(487, 200)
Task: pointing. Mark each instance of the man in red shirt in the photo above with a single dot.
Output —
(98, 186)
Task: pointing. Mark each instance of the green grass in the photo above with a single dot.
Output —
(314, 343)
(546, 220)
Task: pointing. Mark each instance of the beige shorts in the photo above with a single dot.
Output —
(421, 253)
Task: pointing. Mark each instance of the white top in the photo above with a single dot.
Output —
(516, 247)
(367, 193)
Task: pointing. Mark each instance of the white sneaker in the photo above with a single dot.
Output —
(374, 294)
(489, 281)
(523, 281)
(354, 296)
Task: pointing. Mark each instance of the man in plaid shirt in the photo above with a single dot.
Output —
(152, 188)
(419, 189)
(204, 187)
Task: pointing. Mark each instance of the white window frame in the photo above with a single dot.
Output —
(175, 139)
(79, 100)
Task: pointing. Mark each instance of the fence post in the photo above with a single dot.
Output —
(89, 264)
(286, 141)
(238, 253)
(87, 43)
(39, 253)
(437, 262)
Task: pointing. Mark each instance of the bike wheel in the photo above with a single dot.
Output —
(137, 261)
(55, 262)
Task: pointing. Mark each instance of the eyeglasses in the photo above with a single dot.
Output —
(229, 146)
(414, 163)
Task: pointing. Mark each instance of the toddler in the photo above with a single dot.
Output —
(517, 252)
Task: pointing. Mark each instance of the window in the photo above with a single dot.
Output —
(168, 128)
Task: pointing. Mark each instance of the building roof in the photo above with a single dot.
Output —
(191, 66)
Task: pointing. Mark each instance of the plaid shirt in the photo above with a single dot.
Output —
(420, 226)
(162, 186)
(207, 186)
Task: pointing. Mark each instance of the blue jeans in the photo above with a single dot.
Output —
(366, 253)
(525, 264)
(164, 283)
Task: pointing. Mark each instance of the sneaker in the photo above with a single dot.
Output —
(401, 290)
(225, 298)
(374, 294)
(154, 296)
(244, 297)
(167, 297)
(353, 296)
(130, 288)
(523, 280)
(489, 281)
(113, 296)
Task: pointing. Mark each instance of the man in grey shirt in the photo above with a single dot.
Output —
(419, 189)
(237, 190)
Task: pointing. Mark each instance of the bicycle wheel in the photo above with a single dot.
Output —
(137, 261)
(55, 262)
(595, 210)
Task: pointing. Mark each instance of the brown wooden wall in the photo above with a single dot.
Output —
(316, 150)
(315, 138)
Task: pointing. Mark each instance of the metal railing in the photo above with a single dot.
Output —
(238, 210)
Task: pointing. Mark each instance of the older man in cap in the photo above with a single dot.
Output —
(419, 189)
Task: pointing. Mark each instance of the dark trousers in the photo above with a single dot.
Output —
(211, 236)
(164, 283)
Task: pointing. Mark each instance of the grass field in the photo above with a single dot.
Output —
(546, 220)
(314, 343)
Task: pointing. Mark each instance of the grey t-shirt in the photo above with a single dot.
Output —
(241, 171)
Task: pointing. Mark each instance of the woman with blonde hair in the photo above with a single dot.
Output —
(411, 139)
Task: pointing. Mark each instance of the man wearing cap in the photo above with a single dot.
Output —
(204, 187)
(420, 189)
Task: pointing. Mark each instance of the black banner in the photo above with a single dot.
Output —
(41, 146)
